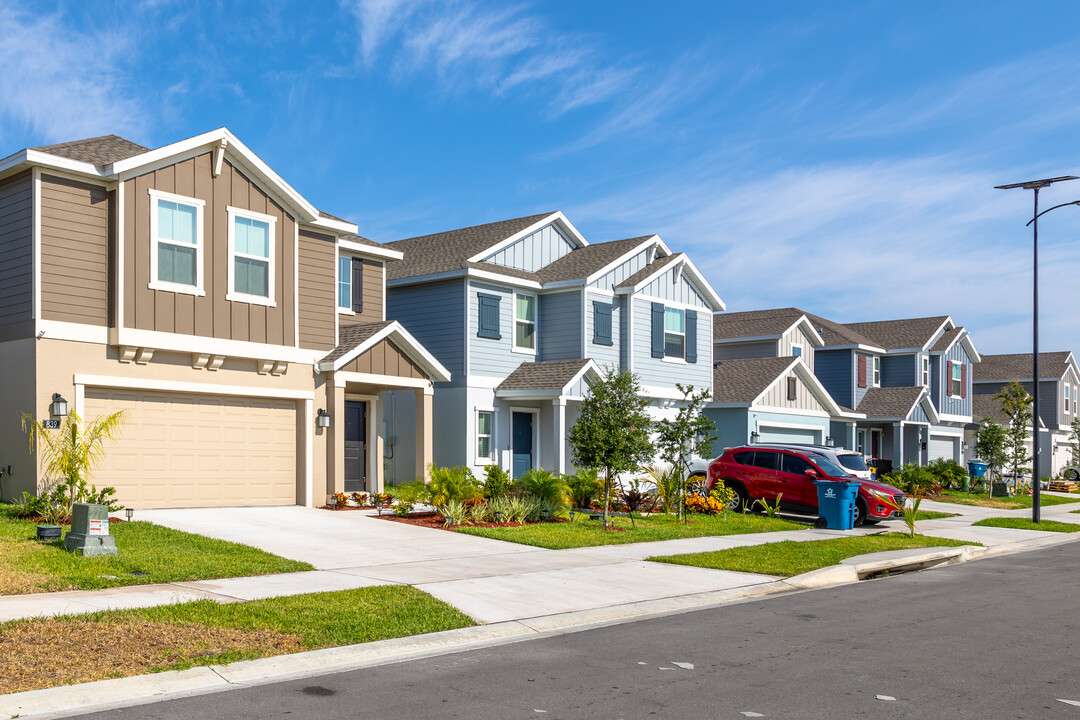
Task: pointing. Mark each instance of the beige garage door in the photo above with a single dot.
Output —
(188, 450)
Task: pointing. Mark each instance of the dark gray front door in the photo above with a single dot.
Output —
(355, 448)
(522, 431)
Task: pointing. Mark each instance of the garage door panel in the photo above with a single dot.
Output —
(189, 450)
(942, 446)
(774, 434)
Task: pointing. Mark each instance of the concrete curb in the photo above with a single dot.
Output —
(175, 684)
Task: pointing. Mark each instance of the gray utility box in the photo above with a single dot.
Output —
(89, 534)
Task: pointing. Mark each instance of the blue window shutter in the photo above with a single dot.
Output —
(488, 325)
(601, 323)
(691, 336)
(658, 330)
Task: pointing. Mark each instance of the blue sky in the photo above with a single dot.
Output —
(839, 157)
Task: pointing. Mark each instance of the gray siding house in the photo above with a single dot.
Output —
(526, 312)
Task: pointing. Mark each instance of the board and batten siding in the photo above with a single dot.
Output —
(385, 359)
(658, 373)
(487, 356)
(619, 273)
(961, 405)
(559, 325)
(667, 287)
(17, 256)
(1073, 380)
(373, 295)
(74, 251)
(210, 315)
(606, 356)
(860, 392)
(777, 396)
(317, 286)
(833, 368)
(533, 251)
(797, 336)
(740, 351)
(434, 313)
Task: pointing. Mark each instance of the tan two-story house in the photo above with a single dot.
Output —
(242, 331)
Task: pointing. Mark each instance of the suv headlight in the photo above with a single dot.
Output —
(882, 496)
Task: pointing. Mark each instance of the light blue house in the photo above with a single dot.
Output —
(525, 313)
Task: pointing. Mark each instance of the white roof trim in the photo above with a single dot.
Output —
(555, 217)
(928, 406)
(589, 368)
(409, 344)
(469, 273)
(644, 245)
(811, 382)
(946, 324)
(697, 279)
(325, 223)
(362, 249)
(814, 335)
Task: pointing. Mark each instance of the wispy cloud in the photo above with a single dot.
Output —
(60, 84)
(500, 48)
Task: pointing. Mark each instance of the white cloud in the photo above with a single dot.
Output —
(59, 84)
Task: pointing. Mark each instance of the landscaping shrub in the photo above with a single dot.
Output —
(415, 493)
(585, 486)
(949, 473)
(496, 482)
(704, 505)
(453, 512)
(914, 478)
(668, 486)
(635, 496)
(513, 508)
(453, 484)
(543, 486)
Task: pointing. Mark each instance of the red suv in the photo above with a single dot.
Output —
(761, 471)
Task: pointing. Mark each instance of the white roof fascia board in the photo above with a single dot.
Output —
(946, 324)
(749, 338)
(905, 351)
(858, 346)
(465, 273)
(325, 223)
(529, 394)
(815, 336)
(564, 284)
(412, 347)
(699, 282)
(504, 279)
(722, 405)
(588, 368)
(969, 344)
(167, 154)
(361, 249)
(43, 159)
(510, 240)
(928, 406)
(946, 417)
(654, 240)
(851, 415)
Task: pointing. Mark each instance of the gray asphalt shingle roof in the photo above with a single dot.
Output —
(582, 262)
(754, 323)
(649, 269)
(889, 402)
(899, 334)
(834, 334)
(947, 338)
(1052, 366)
(543, 375)
(744, 379)
(103, 150)
(350, 336)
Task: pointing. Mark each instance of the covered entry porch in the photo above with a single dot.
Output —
(896, 428)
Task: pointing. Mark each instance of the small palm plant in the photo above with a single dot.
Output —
(68, 455)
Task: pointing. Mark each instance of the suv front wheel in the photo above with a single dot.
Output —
(740, 499)
(860, 512)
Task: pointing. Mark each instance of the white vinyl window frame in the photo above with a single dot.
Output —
(1068, 405)
(681, 312)
(344, 284)
(489, 458)
(522, 321)
(877, 371)
(232, 293)
(796, 350)
(955, 379)
(926, 372)
(155, 241)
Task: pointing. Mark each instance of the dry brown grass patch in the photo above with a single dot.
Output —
(46, 653)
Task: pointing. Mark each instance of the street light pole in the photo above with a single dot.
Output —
(1035, 185)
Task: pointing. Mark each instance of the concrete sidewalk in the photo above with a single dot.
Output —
(489, 580)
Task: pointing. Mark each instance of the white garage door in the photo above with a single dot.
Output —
(188, 450)
(770, 434)
(941, 446)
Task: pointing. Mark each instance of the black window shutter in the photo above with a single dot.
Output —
(691, 336)
(357, 285)
(601, 323)
(658, 330)
(488, 322)
(792, 389)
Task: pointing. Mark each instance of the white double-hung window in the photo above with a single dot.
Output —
(176, 236)
(484, 432)
(251, 257)
(926, 372)
(674, 333)
(524, 322)
(956, 384)
(344, 283)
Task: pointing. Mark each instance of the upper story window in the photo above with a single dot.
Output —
(350, 284)
(877, 371)
(251, 257)
(674, 333)
(524, 321)
(956, 382)
(1068, 407)
(926, 372)
(796, 350)
(176, 236)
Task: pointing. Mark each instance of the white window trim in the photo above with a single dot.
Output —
(232, 294)
(514, 347)
(480, 460)
(875, 371)
(337, 282)
(926, 372)
(800, 348)
(155, 284)
(1068, 399)
(674, 358)
(954, 364)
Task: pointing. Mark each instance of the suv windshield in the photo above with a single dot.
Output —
(852, 462)
(828, 467)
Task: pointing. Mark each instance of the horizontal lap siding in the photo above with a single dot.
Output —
(434, 313)
(898, 370)
(385, 359)
(317, 301)
(560, 325)
(210, 315)
(739, 351)
(833, 369)
(373, 295)
(655, 372)
(489, 357)
(74, 251)
(605, 355)
(16, 256)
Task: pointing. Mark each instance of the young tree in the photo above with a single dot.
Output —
(70, 453)
(612, 432)
(1016, 405)
(689, 433)
(1074, 438)
(990, 441)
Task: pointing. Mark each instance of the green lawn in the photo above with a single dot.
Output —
(931, 515)
(164, 555)
(583, 532)
(1027, 524)
(1010, 503)
(65, 650)
(793, 558)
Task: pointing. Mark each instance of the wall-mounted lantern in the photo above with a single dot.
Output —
(322, 419)
(754, 437)
(830, 442)
(58, 406)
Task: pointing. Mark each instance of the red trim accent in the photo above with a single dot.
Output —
(862, 371)
(963, 381)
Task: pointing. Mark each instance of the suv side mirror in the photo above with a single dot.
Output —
(811, 472)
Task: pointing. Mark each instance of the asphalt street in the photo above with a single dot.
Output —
(995, 638)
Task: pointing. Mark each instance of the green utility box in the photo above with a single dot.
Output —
(89, 534)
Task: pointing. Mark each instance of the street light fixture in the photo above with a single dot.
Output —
(1036, 185)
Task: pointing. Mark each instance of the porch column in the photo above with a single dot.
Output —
(559, 438)
(898, 445)
(335, 464)
(375, 445)
(423, 433)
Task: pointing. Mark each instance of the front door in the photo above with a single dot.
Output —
(355, 446)
(522, 433)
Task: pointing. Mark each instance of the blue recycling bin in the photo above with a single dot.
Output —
(976, 469)
(836, 503)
